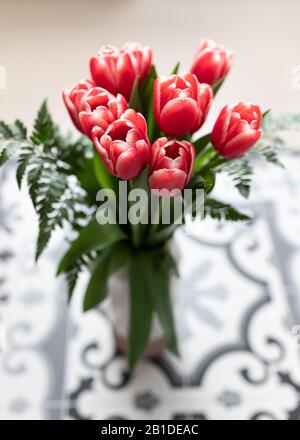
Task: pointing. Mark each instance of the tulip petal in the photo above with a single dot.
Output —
(117, 147)
(137, 120)
(128, 166)
(241, 144)
(167, 179)
(156, 148)
(156, 100)
(219, 132)
(178, 116)
(125, 74)
(71, 109)
(194, 83)
(101, 117)
(143, 150)
(208, 66)
(102, 75)
(103, 153)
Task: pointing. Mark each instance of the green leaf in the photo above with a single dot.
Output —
(12, 139)
(25, 157)
(241, 172)
(138, 230)
(104, 178)
(223, 211)
(74, 153)
(146, 92)
(47, 189)
(209, 178)
(92, 237)
(97, 287)
(87, 177)
(140, 309)
(53, 199)
(204, 158)
(8, 148)
(267, 152)
(176, 68)
(44, 129)
(135, 100)
(5, 130)
(217, 85)
(158, 282)
(109, 262)
(265, 113)
(19, 130)
(146, 95)
(153, 129)
(201, 143)
(162, 235)
(72, 277)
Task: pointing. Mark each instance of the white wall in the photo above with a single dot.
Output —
(45, 46)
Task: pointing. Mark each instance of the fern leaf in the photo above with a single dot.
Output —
(8, 148)
(18, 130)
(223, 211)
(5, 130)
(12, 138)
(268, 152)
(44, 129)
(241, 172)
(25, 157)
(72, 277)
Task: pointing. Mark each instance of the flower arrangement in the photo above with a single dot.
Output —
(137, 128)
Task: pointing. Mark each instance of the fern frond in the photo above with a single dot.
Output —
(44, 131)
(5, 130)
(8, 148)
(241, 172)
(72, 278)
(223, 211)
(265, 150)
(12, 139)
(18, 129)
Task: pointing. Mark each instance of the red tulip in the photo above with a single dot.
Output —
(101, 109)
(236, 130)
(181, 104)
(171, 164)
(116, 69)
(124, 147)
(73, 99)
(211, 62)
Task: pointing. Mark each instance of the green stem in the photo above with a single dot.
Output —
(135, 229)
(215, 161)
(204, 158)
(155, 226)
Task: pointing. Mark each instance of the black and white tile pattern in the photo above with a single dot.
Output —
(237, 311)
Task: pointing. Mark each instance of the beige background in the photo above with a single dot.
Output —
(45, 46)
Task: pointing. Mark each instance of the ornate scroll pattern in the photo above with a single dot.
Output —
(32, 308)
(238, 300)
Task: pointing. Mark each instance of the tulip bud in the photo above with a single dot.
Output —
(211, 62)
(101, 109)
(74, 102)
(236, 130)
(116, 69)
(171, 164)
(181, 104)
(124, 147)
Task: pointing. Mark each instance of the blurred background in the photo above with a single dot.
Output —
(240, 284)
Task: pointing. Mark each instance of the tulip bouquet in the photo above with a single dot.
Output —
(139, 129)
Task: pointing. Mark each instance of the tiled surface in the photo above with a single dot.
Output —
(238, 299)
